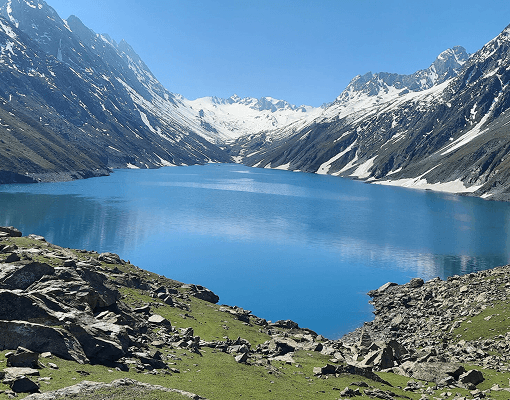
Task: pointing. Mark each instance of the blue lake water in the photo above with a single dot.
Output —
(285, 245)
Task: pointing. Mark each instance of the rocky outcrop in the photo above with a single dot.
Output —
(130, 386)
(72, 308)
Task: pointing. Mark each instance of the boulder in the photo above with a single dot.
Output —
(287, 324)
(474, 376)
(24, 274)
(241, 358)
(157, 319)
(11, 258)
(432, 371)
(328, 369)
(24, 385)
(23, 358)
(10, 231)
(98, 349)
(40, 338)
(110, 258)
(12, 373)
(13, 305)
(415, 283)
(202, 293)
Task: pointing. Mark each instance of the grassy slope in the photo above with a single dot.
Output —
(216, 375)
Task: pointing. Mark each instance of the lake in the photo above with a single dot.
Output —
(285, 245)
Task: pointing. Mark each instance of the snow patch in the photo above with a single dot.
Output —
(456, 186)
(363, 171)
(325, 167)
(284, 167)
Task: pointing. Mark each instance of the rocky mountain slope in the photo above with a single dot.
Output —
(446, 133)
(76, 103)
(68, 315)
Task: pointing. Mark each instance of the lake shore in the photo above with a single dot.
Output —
(88, 311)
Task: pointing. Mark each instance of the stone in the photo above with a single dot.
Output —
(24, 358)
(97, 349)
(432, 371)
(328, 369)
(24, 274)
(24, 385)
(202, 293)
(13, 257)
(365, 340)
(16, 372)
(348, 392)
(110, 258)
(241, 358)
(474, 376)
(287, 324)
(415, 283)
(384, 287)
(40, 338)
(157, 319)
(11, 231)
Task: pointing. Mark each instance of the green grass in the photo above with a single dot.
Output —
(478, 327)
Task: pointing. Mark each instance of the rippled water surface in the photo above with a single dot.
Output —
(285, 245)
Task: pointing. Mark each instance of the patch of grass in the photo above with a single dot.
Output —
(490, 323)
(127, 393)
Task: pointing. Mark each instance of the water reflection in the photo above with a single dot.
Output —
(272, 241)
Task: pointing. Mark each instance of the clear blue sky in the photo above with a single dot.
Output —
(303, 51)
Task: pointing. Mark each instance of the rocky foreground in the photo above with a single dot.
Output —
(446, 339)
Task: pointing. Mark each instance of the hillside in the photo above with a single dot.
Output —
(68, 316)
(81, 103)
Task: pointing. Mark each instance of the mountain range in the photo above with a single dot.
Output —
(75, 104)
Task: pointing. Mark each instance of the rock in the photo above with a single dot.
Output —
(287, 324)
(348, 392)
(474, 376)
(13, 257)
(365, 340)
(40, 338)
(24, 274)
(433, 371)
(365, 372)
(110, 258)
(24, 385)
(37, 237)
(98, 349)
(52, 365)
(23, 358)
(202, 293)
(415, 283)
(10, 231)
(241, 358)
(384, 287)
(12, 373)
(13, 305)
(328, 369)
(159, 320)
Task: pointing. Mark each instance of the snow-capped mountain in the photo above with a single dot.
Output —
(445, 134)
(94, 99)
(234, 117)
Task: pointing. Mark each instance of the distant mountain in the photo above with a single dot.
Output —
(231, 118)
(427, 130)
(83, 103)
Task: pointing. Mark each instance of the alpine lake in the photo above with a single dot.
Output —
(284, 245)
